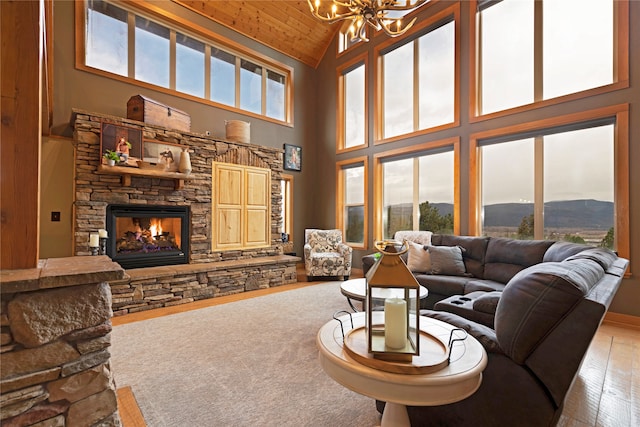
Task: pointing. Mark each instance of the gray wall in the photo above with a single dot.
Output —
(627, 300)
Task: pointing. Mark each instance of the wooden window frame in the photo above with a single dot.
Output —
(341, 166)
(620, 66)
(417, 150)
(452, 12)
(621, 165)
(175, 24)
(341, 72)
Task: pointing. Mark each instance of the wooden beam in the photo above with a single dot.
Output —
(21, 33)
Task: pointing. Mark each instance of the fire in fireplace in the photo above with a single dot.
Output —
(146, 236)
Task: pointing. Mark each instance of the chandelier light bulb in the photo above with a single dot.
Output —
(372, 12)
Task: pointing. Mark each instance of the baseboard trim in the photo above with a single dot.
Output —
(624, 320)
(128, 408)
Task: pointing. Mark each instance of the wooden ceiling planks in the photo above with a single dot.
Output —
(286, 26)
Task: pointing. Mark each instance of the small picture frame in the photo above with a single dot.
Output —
(161, 153)
(125, 141)
(292, 157)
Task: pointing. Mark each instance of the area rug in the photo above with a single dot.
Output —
(252, 363)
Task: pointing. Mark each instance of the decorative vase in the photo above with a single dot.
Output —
(185, 162)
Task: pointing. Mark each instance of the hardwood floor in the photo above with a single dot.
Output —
(605, 394)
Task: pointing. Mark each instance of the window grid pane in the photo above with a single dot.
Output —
(189, 65)
(152, 52)
(276, 84)
(223, 77)
(106, 45)
(507, 55)
(398, 91)
(578, 185)
(354, 204)
(354, 108)
(436, 90)
(250, 86)
(574, 48)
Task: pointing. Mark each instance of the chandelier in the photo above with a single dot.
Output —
(374, 13)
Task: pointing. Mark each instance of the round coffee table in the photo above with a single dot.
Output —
(356, 289)
(457, 381)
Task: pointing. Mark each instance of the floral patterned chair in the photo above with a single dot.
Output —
(325, 255)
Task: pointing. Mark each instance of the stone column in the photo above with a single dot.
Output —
(55, 337)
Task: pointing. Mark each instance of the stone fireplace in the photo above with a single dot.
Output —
(148, 236)
(180, 265)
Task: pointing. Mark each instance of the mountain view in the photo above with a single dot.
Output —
(593, 214)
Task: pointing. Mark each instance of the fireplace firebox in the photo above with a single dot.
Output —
(148, 236)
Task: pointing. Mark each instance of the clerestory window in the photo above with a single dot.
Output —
(193, 62)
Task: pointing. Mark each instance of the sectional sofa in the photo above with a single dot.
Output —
(545, 301)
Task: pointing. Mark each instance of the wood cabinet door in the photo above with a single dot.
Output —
(242, 205)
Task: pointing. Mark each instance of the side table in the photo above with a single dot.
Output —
(455, 382)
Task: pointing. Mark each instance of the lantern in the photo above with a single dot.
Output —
(392, 306)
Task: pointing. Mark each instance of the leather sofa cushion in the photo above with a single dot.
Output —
(474, 250)
(537, 299)
(602, 256)
(442, 285)
(487, 302)
(560, 251)
(483, 285)
(506, 257)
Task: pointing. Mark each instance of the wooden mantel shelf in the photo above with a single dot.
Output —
(126, 173)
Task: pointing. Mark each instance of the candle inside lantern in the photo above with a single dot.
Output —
(102, 233)
(395, 323)
(94, 239)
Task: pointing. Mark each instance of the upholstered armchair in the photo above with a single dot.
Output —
(325, 255)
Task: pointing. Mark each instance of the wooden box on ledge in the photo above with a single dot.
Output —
(147, 110)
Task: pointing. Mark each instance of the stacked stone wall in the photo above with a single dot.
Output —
(222, 272)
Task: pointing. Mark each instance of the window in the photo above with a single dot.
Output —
(106, 42)
(190, 62)
(190, 54)
(560, 182)
(223, 77)
(352, 105)
(530, 51)
(416, 190)
(286, 210)
(250, 86)
(351, 200)
(418, 85)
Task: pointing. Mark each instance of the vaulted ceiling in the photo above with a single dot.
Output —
(286, 26)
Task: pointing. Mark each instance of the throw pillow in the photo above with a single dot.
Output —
(447, 260)
(418, 259)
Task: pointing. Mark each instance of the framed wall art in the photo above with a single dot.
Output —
(161, 153)
(292, 157)
(126, 142)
